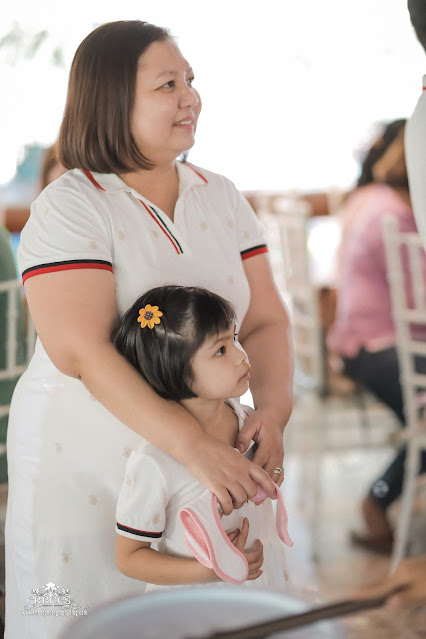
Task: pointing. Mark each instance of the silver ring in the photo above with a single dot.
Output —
(219, 508)
(278, 471)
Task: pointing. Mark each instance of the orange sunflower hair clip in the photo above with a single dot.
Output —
(149, 316)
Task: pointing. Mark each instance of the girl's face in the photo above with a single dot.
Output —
(166, 106)
(221, 368)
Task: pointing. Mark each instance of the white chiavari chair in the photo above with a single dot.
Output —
(405, 249)
(17, 347)
(332, 422)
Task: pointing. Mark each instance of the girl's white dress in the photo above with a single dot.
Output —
(155, 489)
(66, 453)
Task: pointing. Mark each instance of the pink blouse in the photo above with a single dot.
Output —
(363, 314)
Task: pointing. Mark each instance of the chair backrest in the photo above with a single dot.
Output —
(16, 340)
(14, 363)
(301, 294)
(406, 275)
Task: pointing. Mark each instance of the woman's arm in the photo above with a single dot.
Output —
(136, 559)
(266, 337)
(75, 313)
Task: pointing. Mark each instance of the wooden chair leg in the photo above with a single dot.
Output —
(320, 448)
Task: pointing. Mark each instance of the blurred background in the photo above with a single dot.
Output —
(291, 90)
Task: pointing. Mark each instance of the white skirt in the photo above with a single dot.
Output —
(66, 456)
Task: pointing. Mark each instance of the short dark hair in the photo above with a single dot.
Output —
(417, 10)
(163, 355)
(95, 132)
(378, 149)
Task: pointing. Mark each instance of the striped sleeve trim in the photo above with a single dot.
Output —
(140, 533)
(254, 250)
(68, 265)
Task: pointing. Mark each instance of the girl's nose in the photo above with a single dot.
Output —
(240, 354)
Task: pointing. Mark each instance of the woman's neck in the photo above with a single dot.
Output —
(159, 185)
(403, 193)
(216, 417)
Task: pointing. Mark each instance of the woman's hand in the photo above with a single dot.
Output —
(254, 556)
(261, 427)
(227, 473)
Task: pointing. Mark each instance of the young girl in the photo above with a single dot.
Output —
(182, 340)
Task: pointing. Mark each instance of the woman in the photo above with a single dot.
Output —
(363, 333)
(126, 217)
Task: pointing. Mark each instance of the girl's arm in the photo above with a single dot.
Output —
(75, 313)
(136, 559)
(266, 337)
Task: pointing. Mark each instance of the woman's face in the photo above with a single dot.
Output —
(166, 107)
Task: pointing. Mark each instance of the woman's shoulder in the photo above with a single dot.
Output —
(377, 195)
(387, 201)
(74, 179)
(361, 197)
(373, 202)
(209, 177)
(66, 186)
(71, 191)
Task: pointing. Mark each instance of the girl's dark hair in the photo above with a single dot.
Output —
(377, 151)
(163, 355)
(95, 132)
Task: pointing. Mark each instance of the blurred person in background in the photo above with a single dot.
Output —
(363, 333)
(411, 571)
(51, 168)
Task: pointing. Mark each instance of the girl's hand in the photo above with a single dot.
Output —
(227, 473)
(254, 556)
(268, 434)
(239, 539)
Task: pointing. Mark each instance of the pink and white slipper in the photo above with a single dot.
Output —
(209, 543)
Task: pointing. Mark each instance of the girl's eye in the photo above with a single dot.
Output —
(190, 81)
(235, 337)
(169, 85)
(221, 351)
